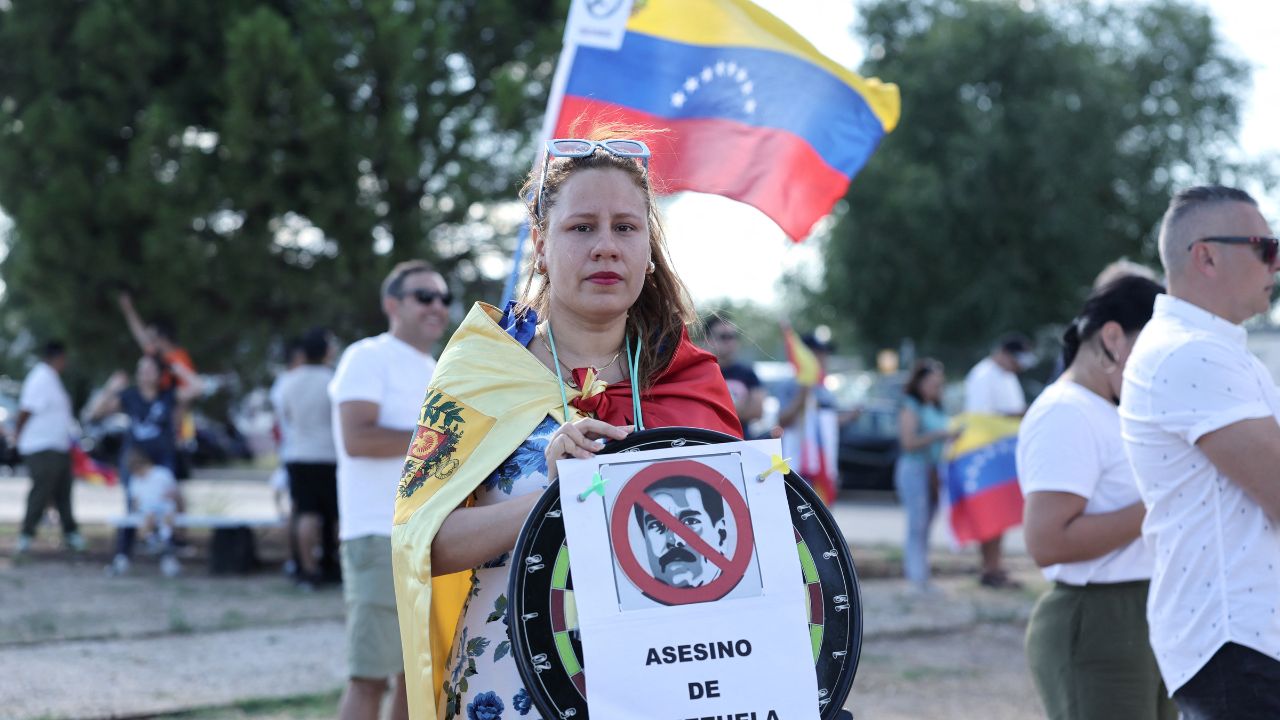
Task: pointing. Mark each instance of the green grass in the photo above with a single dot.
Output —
(305, 707)
(178, 623)
(233, 619)
(43, 623)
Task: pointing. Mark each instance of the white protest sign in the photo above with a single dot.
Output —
(597, 23)
(688, 586)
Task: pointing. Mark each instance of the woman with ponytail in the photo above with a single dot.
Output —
(1087, 639)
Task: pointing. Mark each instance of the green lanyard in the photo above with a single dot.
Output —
(633, 363)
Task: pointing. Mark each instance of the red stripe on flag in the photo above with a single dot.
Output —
(985, 515)
(773, 170)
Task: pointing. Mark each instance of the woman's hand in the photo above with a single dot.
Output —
(581, 439)
(118, 381)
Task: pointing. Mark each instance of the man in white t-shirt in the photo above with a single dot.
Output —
(992, 385)
(1199, 418)
(45, 427)
(992, 388)
(311, 460)
(376, 394)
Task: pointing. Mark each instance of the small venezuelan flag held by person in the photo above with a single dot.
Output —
(813, 452)
(809, 371)
(981, 478)
(84, 467)
(755, 112)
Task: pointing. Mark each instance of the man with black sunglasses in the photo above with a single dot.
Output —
(1199, 419)
(376, 393)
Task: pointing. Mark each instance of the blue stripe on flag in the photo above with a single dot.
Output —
(982, 468)
(761, 88)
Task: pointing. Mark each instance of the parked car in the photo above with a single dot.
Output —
(869, 447)
(216, 443)
(8, 425)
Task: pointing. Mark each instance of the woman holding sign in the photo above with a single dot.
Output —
(596, 347)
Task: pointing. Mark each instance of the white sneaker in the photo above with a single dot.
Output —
(75, 542)
(24, 544)
(119, 566)
(169, 566)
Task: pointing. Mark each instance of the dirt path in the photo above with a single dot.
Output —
(141, 677)
(77, 644)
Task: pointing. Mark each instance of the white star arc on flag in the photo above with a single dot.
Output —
(726, 69)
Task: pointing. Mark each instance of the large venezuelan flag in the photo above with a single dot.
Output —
(981, 477)
(756, 113)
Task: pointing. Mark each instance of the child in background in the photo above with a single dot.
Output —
(153, 493)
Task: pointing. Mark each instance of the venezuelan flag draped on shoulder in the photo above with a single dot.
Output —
(755, 112)
(487, 395)
(980, 474)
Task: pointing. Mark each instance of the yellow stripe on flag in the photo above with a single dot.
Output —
(739, 23)
(808, 369)
(980, 430)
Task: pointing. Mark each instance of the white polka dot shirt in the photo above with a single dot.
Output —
(1217, 572)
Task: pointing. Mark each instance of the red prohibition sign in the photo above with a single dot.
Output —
(732, 568)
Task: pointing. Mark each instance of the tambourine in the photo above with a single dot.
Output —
(548, 652)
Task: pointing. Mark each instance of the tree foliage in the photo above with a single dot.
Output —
(252, 167)
(1036, 145)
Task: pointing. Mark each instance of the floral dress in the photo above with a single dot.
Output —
(482, 682)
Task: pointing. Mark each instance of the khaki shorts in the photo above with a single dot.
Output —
(373, 632)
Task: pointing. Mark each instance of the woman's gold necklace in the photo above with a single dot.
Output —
(598, 371)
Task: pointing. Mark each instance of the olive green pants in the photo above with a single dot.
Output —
(1090, 655)
(51, 481)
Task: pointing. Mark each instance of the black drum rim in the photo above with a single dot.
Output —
(530, 671)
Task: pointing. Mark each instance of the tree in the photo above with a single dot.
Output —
(250, 168)
(1036, 145)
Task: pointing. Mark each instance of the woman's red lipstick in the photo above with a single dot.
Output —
(605, 278)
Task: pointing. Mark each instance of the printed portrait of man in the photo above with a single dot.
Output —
(697, 507)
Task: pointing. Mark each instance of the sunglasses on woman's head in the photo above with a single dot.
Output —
(575, 148)
(426, 297)
(1267, 246)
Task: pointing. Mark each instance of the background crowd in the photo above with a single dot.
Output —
(1144, 457)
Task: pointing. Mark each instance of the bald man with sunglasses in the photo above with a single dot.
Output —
(1199, 418)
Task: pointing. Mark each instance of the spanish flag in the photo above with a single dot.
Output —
(755, 112)
(811, 444)
(980, 473)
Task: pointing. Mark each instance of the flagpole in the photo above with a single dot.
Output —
(555, 100)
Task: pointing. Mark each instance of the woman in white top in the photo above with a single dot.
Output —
(1087, 639)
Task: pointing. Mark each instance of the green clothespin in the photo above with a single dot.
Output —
(597, 486)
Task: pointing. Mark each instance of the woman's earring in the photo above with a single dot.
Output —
(652, 267)
(540, 266)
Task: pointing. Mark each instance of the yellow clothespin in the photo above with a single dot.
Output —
(597, 486)
(780, 464)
